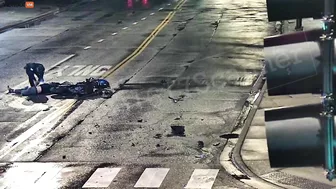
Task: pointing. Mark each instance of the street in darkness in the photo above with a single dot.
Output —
(184, 75)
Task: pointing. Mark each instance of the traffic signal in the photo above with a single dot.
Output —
(297, 63)
(278, 10)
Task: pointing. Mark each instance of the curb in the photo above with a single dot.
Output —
(40, 17)
(231, 158)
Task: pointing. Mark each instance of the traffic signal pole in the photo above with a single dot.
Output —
(328, 99)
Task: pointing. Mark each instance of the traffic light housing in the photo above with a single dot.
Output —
(302, 63)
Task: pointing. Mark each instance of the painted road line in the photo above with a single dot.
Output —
(100, 40)
(44, 126)
(152, 178)
(125, 28)
(144, 18)
(135, 23)
(24, 136)
(146, 42)
(115, 33)
(202, 178)
(101, 178)
(87, 47)
(152, 13)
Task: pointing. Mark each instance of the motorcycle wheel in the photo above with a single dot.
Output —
(106, 93)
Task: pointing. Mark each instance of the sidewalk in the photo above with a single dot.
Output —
(17, 16)
(254, 150)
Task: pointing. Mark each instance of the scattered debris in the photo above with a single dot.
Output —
(104, 141)
(177, 131)
(177, 118)
(175, 34)
(47, 109)
(133, 144)
(90, 133)
(216, 144)
(202, 119)
(158, 145)
(119, 21)
(158, 136)
(175, 100)
(140, 120)
(239, 177)
(216, 23)
(229, 135)
(64, 156)
(202, 156)
(96, 125)
(190, 61)
(200, 144)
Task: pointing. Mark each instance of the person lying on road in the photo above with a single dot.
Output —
(89, 87)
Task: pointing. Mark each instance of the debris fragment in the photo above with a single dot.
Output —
(239, 177)
(140, 120)
(177, 130)
(216, 144)
(158, 145)
(119, 21)
(229, 135)
(158, 136)
(202, 119)
(90, 133)
(64, 156)
(175, 100)
(202, 156)
(96, 125)
(177, 118)
(133, 144)
(200, 144)
(2, 170)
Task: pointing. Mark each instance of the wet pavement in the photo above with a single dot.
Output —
(174, 99)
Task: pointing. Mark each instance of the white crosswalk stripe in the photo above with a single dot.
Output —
(152, 178)
(102, 177)
(202, 178)
(64, 175)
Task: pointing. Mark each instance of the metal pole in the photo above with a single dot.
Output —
(328, 101)
(298, 26)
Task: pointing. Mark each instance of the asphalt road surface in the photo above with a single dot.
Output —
(182, 72)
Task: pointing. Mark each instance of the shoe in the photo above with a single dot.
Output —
(10, 90)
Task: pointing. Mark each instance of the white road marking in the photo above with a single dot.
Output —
(144, 18)
(88, 47)
(100, 71)
(125, 28)
(44, 123)
(87, 70)
(152, 13)
(79, 67)
(160, 9)
(114, 33)
(102, 177)
(100, 40)
(135, 23)
(152, 178)
(202, 178)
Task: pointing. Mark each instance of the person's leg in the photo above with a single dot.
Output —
(29, 91)
(40, 73)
